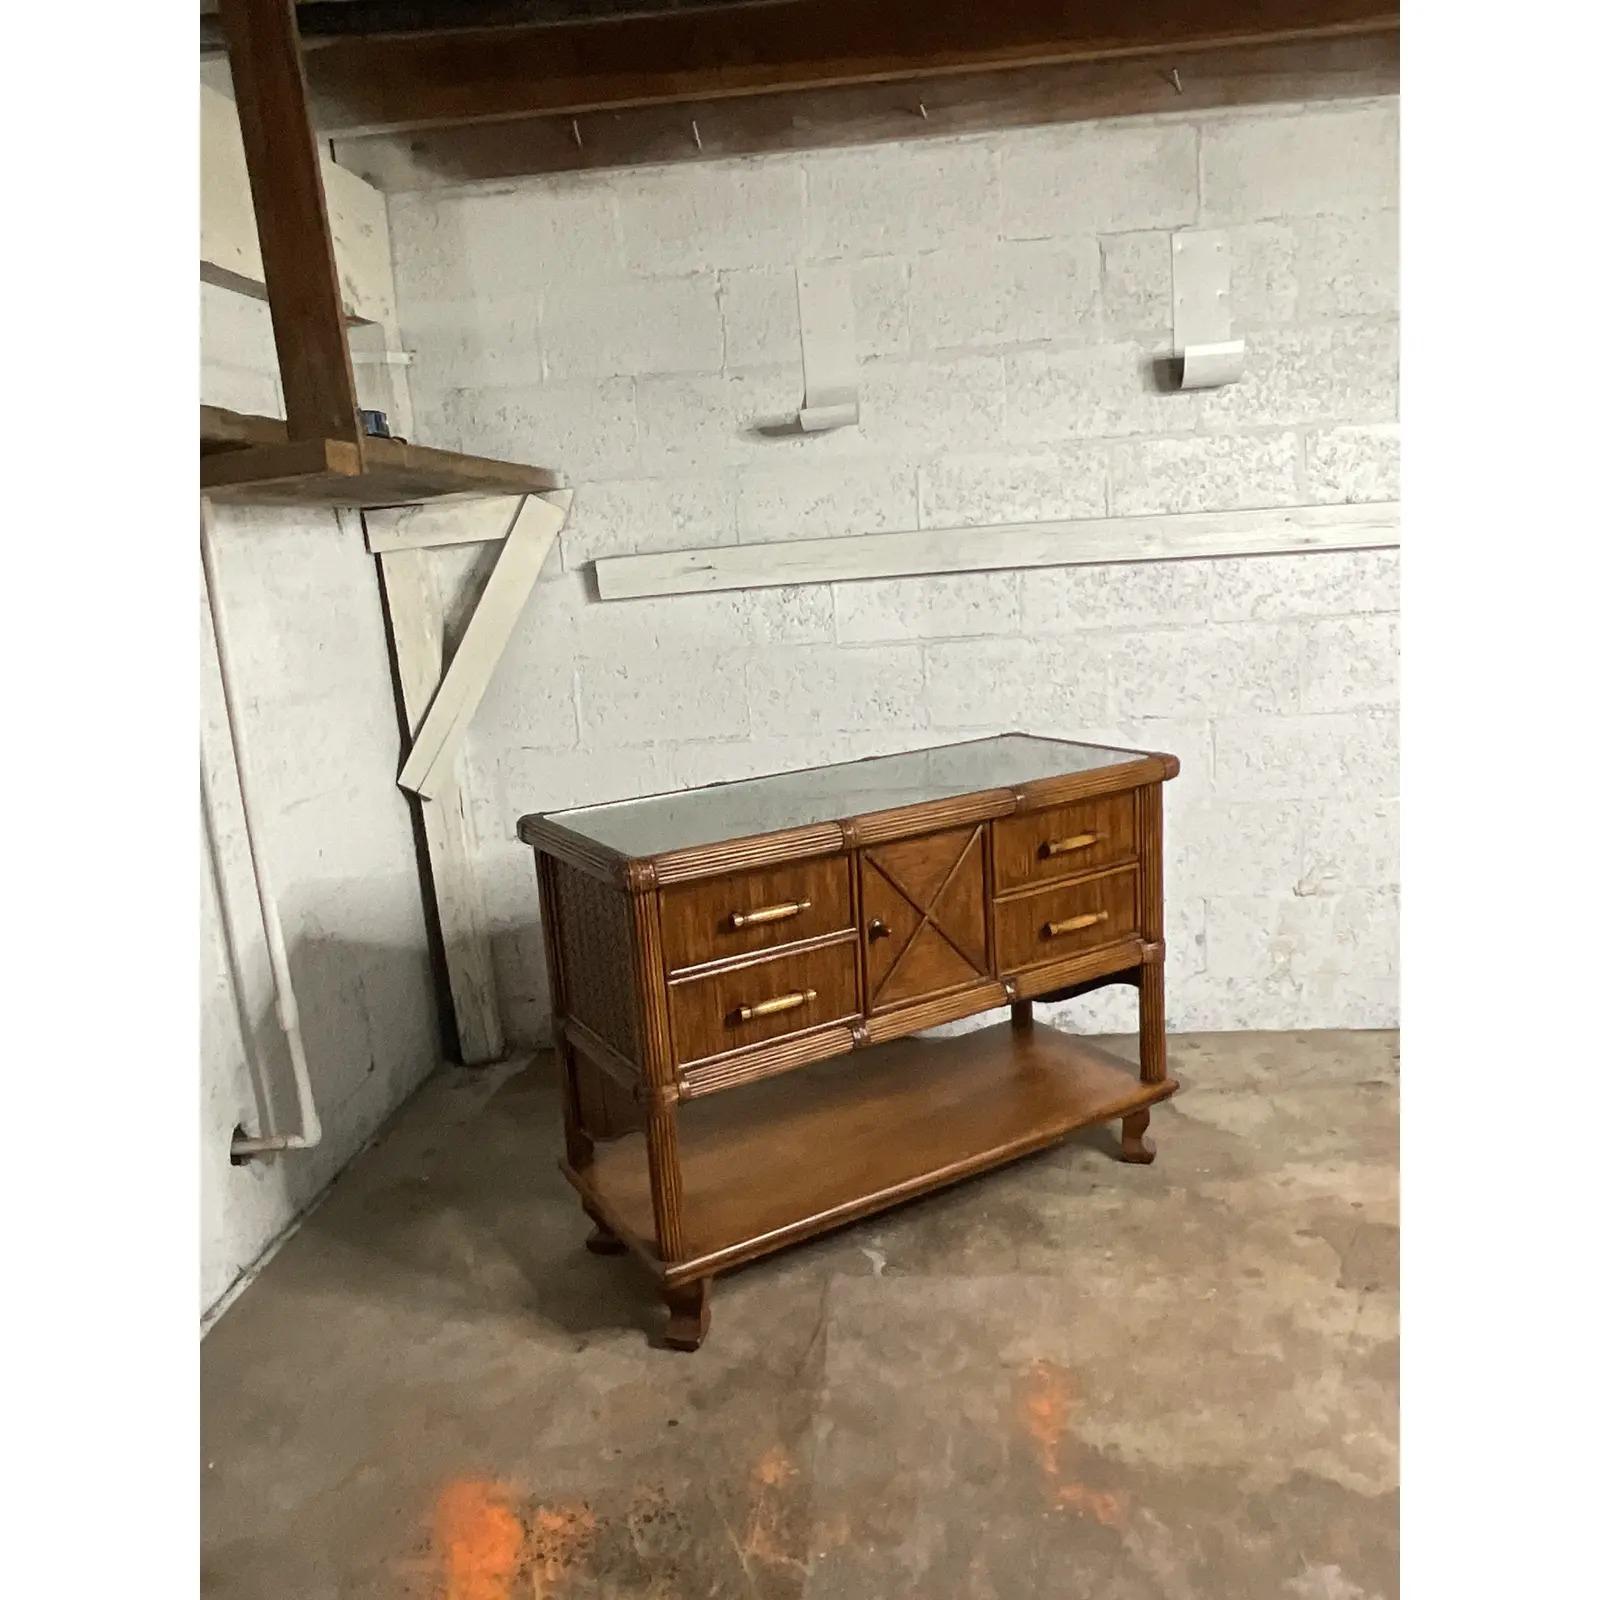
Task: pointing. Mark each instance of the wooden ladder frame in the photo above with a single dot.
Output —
(437, 696)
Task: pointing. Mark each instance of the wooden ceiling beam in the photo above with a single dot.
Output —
(812, 119)
(402, 81)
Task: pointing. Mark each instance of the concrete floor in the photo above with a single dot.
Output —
(1068, 1378)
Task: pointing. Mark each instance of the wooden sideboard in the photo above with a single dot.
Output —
(704, 946)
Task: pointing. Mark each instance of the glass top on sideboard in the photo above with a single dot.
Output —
(662, 822)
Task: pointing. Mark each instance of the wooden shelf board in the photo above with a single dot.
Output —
(779, 1160)
(377, 472)
(221, 429)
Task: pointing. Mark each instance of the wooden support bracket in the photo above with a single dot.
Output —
(438, 700)
(415, 615)
(442, 522)
(431, 760)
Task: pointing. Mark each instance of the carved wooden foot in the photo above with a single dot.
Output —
(602, 1241)
(1135, 1147)
(688, 1314)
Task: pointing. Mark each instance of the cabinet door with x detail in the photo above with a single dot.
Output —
(923, 907)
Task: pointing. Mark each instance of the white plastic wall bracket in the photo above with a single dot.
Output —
(1202, 313)
(827, 349)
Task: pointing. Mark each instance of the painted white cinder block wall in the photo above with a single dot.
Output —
(632, 327)
(312, 682)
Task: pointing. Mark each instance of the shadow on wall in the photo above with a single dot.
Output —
(367, 1009)
(369, 1027)
(522, 980)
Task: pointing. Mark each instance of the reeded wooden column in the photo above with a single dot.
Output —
(660, 1080)
(1152, 970)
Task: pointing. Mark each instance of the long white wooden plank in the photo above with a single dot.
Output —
(474, 520)
(230, 254)
(1020, 544)
(416, 626)
(433, 751)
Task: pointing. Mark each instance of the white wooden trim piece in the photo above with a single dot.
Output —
(230, 254)
(433, 751)
(827, 348)
(416, 626)
(477, 520)
(1202, 312)
(1089, 542)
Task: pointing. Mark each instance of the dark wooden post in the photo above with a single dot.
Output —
(319, 391)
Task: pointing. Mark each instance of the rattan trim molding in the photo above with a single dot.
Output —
(1108, 959)
(756, 958)
(575, 849)
(1044, 792)
(930, 1013)
(878, 827)
(766, 1061)
(759, 850)
(1049, 885)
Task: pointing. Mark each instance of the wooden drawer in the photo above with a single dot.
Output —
(721, 1011)
(1065, 921)
(787, 904)
(1039, 846)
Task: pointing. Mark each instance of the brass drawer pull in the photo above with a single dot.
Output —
(751, 919)
(782, 1002)
(1054, 930)
(1061, 847)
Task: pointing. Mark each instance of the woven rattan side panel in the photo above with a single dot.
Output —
(594, 928)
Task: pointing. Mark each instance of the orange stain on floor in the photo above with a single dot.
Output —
(560, 1536)
(1107, 1508)
(487, 1547)
(1047, 1399)
(764, 1533)
(774, 1467)
(478, 1539)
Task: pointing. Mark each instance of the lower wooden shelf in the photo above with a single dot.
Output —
(780, 1160)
